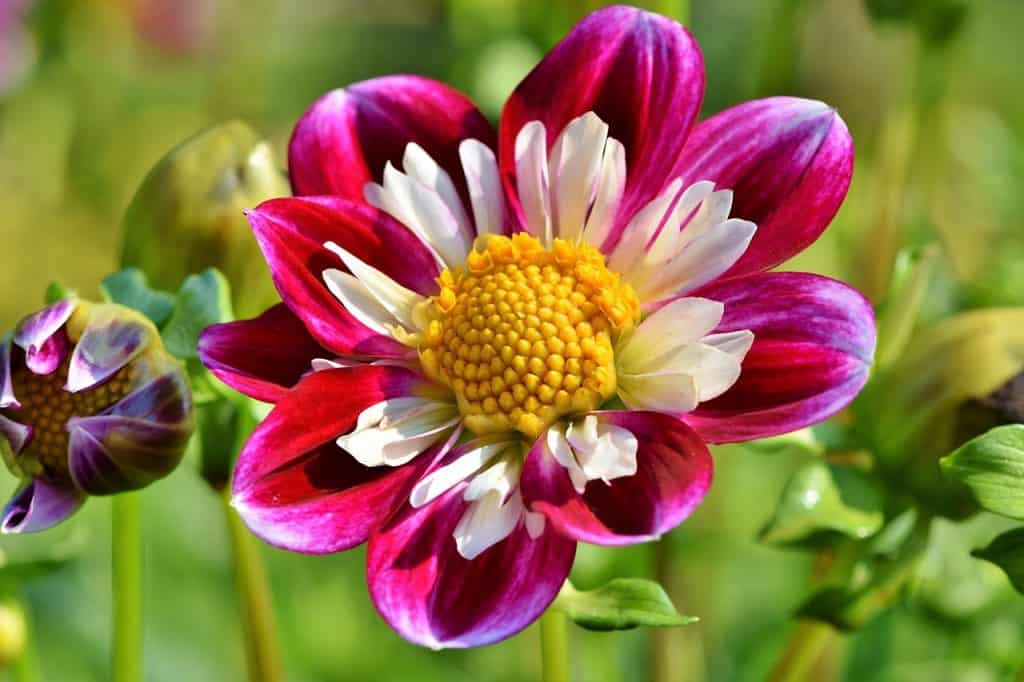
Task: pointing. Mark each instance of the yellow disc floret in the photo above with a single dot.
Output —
(524, 335)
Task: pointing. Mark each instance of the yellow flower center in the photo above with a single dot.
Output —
(524, 335)
(47, 407)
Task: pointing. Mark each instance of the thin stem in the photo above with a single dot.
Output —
(554, 646)
(262, 654)
(675, 653)
(126, 560)
(805, 648)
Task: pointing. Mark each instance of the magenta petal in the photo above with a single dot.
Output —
(434, 597)
(295, 488)
(344, 140)
(7, 397)
(789, 162)
(674, 470)
(262, 357)
(39, 505)
(135, 441)
(42, 337)
(292, 234)
(642, 73)
(814, 340)
(16, 434)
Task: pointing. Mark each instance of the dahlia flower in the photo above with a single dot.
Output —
(493, 346)
(90, 404)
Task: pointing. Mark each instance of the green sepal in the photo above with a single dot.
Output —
(620, 604)
(130, 288)
(1007, 552)
(56, 291)
(992, 468)
(823, 502)
(204, 299)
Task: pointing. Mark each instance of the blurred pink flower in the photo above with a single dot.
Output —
(17, 49)
(451, 331)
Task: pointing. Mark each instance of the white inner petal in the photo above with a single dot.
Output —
(392, 432)
(443, 479)
(391, 295)
(573, 169)
(611, 185)
(419, 166)
(591, 450)
(359, 301)
(484, 181)
(671, 361)
(532, 179)
(487, 521)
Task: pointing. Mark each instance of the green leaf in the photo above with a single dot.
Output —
(620, 604)
(875, 579)
(130, 288)
(58, 292)
(896, 320)
(203, 299)
(992, 467)
(1007, 552)
(803, 442)
(822, 500)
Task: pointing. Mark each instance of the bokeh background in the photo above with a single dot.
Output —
(94, 92)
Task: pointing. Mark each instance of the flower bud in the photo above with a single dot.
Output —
(912, 413)
(188, 214)
(90, 404)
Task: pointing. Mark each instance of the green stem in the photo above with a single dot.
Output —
(806, 645)
(126, 560)
(675, 653)
(554, 646)
(262, 654)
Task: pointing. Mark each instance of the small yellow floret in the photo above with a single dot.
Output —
(524, 335)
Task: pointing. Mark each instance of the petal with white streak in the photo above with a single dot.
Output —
(532, 174)
(484, 182)
(393, 431)
(573, 167)
(392, 296)
(611, 183)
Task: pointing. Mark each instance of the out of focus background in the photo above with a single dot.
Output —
(94, 92)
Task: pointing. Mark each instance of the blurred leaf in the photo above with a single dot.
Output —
(801, 443)
(203, 299)
(130, 288)
(873, 582)
(992, 467)
(1007, 552)
(898, 317)
(821, 500)
(58, 292)
(620, 604)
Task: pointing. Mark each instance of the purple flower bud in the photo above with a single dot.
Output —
(90, 404)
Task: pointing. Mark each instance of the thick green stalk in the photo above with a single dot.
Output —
(126, 561)
(262, 654)
(554, 646)
(805, 648)
(675, 653)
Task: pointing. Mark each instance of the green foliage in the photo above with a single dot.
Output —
(992, 467)
(822, 500)
(620, 604)
(56, 291)
(130, 287)
(1007, 552)
(203, 299)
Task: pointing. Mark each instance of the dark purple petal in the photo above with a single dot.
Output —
(16, 434)
(42, 336)
(292, 233)
(110, 341)
(642, 73)
(262, 357)
(789, 162)
(814, 340)
(434, 597)
(40, 505)
(7, 397)
(674, 470)
(345, 139)
(295, 488)
(135, 441)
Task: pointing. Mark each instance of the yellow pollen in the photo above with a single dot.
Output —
(47, 407)
(524, 335)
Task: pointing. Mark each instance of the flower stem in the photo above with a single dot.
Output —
(805, 647)
(126, 560)
(261, 648)
(554, 646)
(675, 653)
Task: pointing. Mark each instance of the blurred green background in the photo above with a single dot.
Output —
(94, 92)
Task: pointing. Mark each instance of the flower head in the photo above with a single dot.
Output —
(493, 346)
(90, 404)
